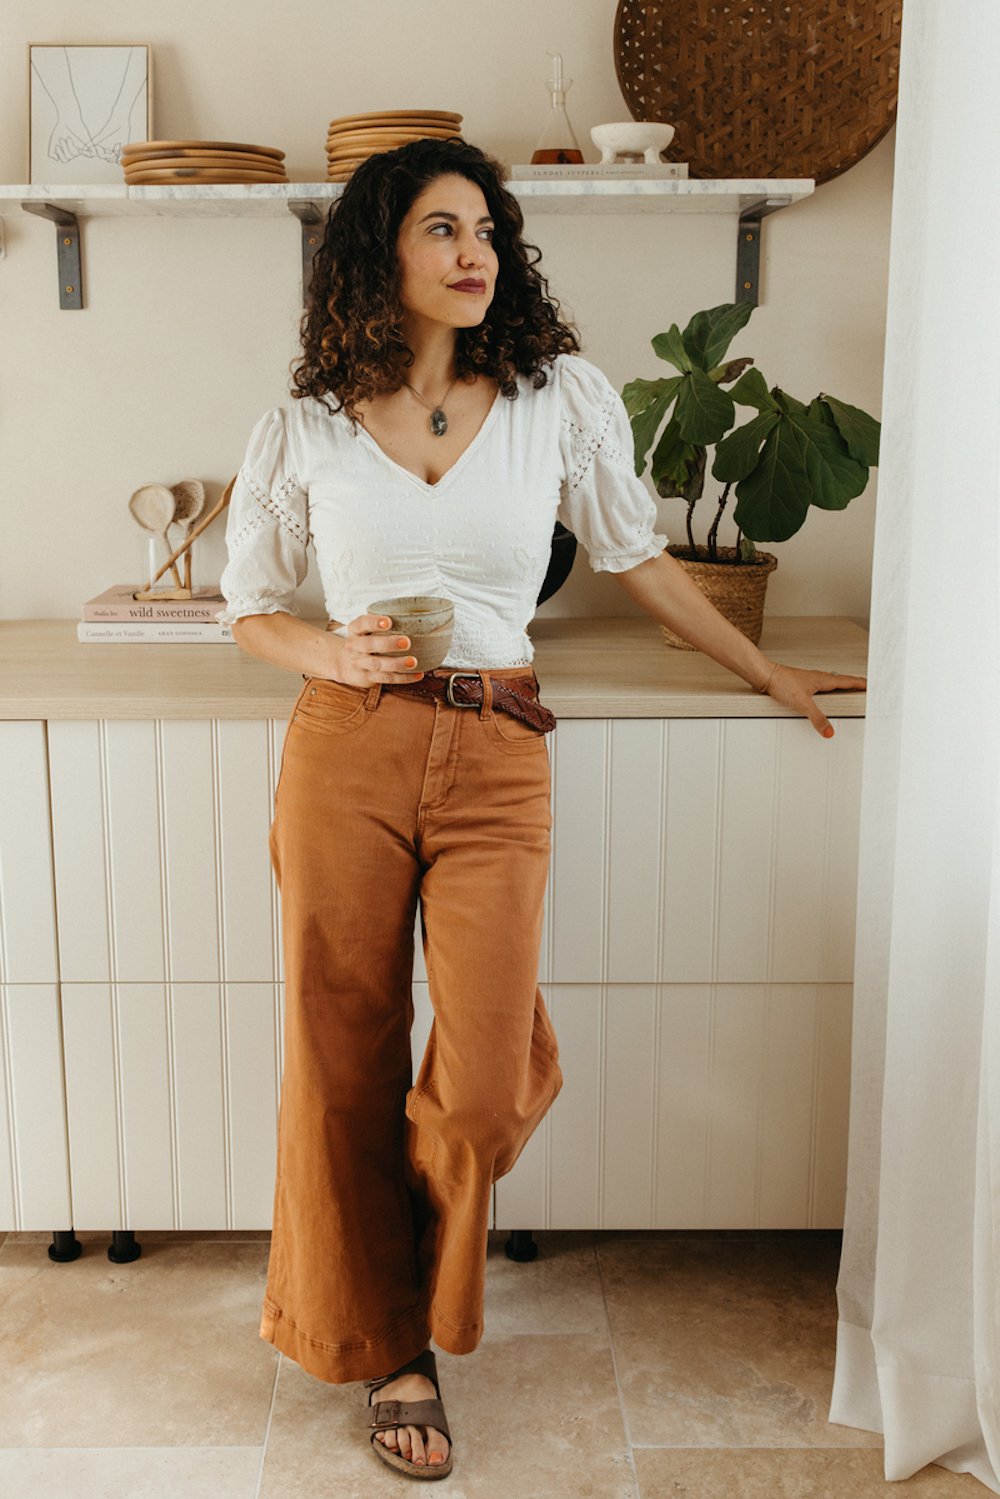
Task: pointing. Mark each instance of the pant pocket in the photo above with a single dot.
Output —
(513, 736)
(327, 707)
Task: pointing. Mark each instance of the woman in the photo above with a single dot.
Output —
(442, 421)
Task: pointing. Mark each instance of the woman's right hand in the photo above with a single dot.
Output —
(372, 651)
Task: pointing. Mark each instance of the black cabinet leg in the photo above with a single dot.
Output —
(521, 1245)
(123, 1248)
(65, 1245)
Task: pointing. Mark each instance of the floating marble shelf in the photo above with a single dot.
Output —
(748, 200)
(269, 200)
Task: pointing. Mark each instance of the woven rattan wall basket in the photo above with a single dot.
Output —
(758, 89)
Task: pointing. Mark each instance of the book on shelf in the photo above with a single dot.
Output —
(593, 171)
(156, 632)
(118, 603)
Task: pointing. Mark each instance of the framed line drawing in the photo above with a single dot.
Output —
(85, 102)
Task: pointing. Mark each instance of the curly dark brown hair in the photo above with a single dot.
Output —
(352, 341)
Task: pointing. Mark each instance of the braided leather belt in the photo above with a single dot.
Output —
(464, 689)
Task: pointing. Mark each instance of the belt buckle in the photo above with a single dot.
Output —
(449, 693)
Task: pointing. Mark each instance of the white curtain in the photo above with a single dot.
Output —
(919, 1301)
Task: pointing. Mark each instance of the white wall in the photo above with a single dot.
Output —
(190, 325)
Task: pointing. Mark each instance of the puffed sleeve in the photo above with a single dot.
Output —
(602, 500)
(267, 527)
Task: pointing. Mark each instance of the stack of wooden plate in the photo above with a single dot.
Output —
(157, 163)
(353, 138)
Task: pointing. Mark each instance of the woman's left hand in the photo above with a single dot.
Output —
(793, 687)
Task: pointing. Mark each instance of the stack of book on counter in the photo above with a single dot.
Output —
(117, 617)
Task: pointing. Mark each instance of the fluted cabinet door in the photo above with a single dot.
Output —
(34, 1166)
(172, 1096)
(690, 1106)
(578, 760)
(697, 966)
(703, 851)
(171, 967)
(27, 905)
(160, 832)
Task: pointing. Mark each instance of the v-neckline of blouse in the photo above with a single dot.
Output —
(460, 461)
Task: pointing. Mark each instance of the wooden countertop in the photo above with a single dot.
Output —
(587, 668)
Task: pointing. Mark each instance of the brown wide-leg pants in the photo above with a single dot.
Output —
(382, 1189)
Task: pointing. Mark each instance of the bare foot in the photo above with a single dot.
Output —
(410, 1441)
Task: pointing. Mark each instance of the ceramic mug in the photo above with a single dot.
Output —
(428, 622)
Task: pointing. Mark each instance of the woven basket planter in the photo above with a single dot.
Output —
(736, 590)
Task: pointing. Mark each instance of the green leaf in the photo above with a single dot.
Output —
(772, 502)
(832, 476)
(678, 467)
(751, 390)
(670, 346)
(803, 462)
(704, 412)
(709, 334)
(640, 394)
(787, 403)
(860, 431)
(747, 549)
(736, 455)
(646, 402)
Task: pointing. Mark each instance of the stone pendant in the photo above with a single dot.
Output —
(439, 422)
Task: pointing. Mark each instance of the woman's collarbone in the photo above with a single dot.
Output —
(407, 438)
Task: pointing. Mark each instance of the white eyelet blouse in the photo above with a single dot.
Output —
(481, 536)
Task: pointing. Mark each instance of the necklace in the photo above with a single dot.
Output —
(439, 422)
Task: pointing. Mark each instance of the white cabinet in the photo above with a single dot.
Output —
(170, 959)
(172, 1094)
(697, 966)
(34, 1163)
(697, 963)
(158, 827)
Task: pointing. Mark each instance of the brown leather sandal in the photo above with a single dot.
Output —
(389, 1415)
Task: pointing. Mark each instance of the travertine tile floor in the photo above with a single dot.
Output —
(617, 1365)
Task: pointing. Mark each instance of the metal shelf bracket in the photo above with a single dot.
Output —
(311, 220)
(67, 252)
(748, 247)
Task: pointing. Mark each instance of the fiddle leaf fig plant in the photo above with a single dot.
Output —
(786, 457)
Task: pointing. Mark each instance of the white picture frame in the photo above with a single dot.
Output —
(86, 101)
